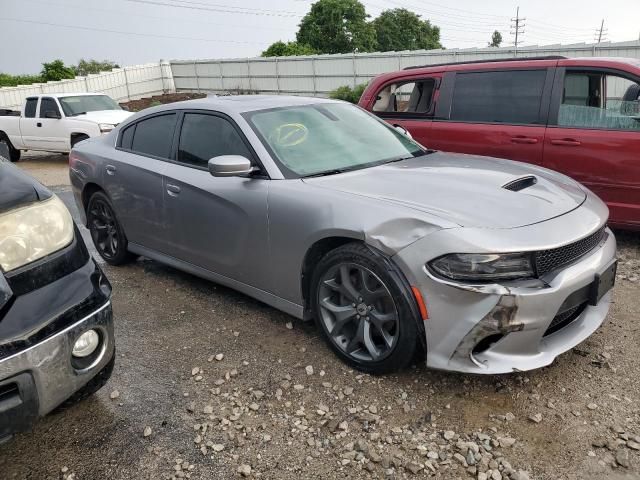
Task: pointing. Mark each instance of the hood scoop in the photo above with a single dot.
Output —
(521, 183)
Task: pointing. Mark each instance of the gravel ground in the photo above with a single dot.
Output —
(212, 384)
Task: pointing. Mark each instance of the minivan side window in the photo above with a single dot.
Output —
(30, 108)
(48, 105)
(154, 136)
(599, 100)
(511, 97)
(411, 97)
(206, 136)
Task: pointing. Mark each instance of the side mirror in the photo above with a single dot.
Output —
(230, 166)
(125, 108)
(403, 130)
(52, 114)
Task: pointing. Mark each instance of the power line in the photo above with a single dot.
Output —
(517, 24)
(137, 34)
(226, 9)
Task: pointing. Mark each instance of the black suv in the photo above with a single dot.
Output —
(56, 327)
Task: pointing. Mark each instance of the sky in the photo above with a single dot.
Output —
(132, 32)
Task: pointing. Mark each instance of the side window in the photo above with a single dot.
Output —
(48, 105)
(126, 137)
(412, 97)
(154, 135)
(206, 136)
(30, 108)
(599, 100)
(511, 97)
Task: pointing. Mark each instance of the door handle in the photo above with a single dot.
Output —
(38, 124)
(524, 140)
(111, 170)
(173, 190)
(565, 142)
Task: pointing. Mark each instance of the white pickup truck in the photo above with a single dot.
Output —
(55, 123)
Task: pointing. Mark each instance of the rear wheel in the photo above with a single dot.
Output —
(363, 311)
(106, 232)
(14, 154)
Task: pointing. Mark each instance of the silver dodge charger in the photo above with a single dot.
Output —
(319, 209)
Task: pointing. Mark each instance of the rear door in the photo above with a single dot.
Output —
(29, 129)
(49, 133)
(216, 223)
(498, 113)
(410, 103)
(133, 178)
(594, 136)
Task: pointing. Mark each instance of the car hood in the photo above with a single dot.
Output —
(18, 189)
(465, 189)
(112, 117)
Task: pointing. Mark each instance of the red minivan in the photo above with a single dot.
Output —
(579, 116)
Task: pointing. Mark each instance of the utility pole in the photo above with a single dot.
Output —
(601, 33)
(517, 29)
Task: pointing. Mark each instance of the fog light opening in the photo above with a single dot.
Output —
(486, 343)
(86, 344)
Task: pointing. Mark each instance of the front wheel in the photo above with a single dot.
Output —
(106, 232)
(363, 311)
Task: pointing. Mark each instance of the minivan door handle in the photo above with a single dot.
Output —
(173, 190)
(111, 169)
(521, 139)
(565, 142)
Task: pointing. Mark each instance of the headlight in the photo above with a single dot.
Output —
(484, 267)
(106, 127)
(33, 232)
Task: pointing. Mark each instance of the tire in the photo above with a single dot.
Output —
(14, 154)
(106, 232)
(77, 139)
(368, 323)
(95, 384)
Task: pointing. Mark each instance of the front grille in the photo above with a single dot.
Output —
(549, 260)
(563, 319)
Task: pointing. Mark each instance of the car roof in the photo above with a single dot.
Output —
(230, 104)
(59, 95)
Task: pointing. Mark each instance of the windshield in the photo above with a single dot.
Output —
(87, 103)
(328, 138)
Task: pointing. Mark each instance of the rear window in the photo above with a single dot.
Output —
(154, 136)
(512, 97)
(30, 107)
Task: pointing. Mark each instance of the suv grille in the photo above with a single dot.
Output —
(549, 260)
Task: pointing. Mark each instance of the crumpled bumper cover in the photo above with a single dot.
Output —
(518, 315)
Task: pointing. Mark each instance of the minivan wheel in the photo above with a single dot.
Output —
(362, 311)
(106, 232)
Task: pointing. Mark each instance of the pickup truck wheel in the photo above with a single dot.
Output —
(14, 154)
(106, 232)
(75, 139)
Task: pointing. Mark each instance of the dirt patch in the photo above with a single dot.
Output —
(137, 105)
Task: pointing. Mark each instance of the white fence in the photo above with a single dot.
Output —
(315, 75)
(320, 74)
(121, 84)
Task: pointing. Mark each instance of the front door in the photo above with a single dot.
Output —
(497, 113)
(216, 223)
(594, 137)
(409, 103)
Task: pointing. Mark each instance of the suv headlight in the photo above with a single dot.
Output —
(484, 267)
(33, 232)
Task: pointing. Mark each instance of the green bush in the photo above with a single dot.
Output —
(7, 80)
(349, 94)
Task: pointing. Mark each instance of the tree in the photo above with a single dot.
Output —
(85, 67)
(337, 26)
(496, 39)
(56, 70)
(281, 49)
(399, 29)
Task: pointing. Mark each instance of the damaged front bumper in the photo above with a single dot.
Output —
(51, 303)
(516, 326)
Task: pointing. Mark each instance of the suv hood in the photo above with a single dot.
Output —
(465, 189)
(112, 117)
